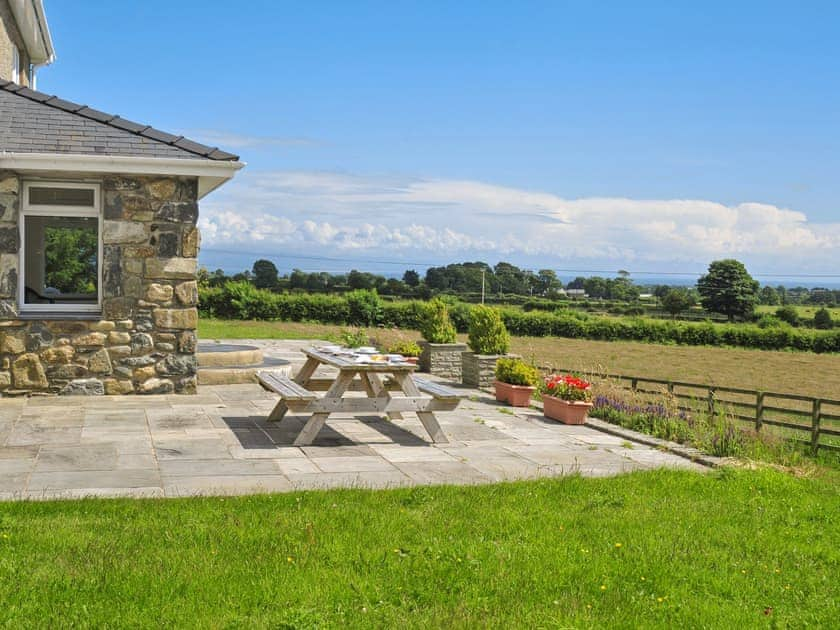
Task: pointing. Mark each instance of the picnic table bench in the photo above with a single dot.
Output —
(420, 396)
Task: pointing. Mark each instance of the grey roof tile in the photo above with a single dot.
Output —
(34, 122)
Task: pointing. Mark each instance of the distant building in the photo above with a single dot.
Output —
(576, 293)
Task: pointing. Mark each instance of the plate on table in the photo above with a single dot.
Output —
(367, 350)
(331, 349)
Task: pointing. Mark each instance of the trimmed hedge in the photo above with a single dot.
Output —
(241, 300)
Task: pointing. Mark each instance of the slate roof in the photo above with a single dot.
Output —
(34, 122)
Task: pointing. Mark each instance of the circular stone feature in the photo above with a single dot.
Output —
(228, 355)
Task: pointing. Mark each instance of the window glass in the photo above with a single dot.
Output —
(44, 196)
(61, 265)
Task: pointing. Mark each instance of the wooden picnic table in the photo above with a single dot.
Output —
(299, 394)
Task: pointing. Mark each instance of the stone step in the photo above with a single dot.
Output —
(242, 374)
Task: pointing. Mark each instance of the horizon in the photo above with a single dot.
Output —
(647, 137)
(284, 267)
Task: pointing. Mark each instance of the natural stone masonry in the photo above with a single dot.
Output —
(442, 359)
(479, 370)
(145, 340)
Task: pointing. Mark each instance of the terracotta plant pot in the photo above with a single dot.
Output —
(567, 412)
(514, 395)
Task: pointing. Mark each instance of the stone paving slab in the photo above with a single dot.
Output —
(219, 442)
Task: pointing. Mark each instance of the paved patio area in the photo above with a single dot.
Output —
(218, 442)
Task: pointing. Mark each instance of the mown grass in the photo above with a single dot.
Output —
(804, 373)
(654, 549)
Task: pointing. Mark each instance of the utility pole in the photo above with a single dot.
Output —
(482, 286)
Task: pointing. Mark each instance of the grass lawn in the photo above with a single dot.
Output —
(663, 548)
(805, 373)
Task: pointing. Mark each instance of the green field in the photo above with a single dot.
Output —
(804, 311)
(656, 549)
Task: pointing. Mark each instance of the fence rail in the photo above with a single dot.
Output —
(811, 410)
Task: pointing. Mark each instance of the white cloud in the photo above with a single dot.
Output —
(335, 214)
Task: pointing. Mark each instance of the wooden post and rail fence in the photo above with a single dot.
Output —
(817, 416)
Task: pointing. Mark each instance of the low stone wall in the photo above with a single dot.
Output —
(100, 357)
(144, 341)
(479, 369)
(442, 359)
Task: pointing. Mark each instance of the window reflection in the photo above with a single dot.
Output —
(61, 260)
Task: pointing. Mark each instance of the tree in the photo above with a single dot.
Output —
(595, 287)
(70, 258)
(788, 314)
(265, 274)
(677, 300)
(577, 283)
(822, 319)
(411, 278)
(769, 296)
(547, 283)
(728, 289)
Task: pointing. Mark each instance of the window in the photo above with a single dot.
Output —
(15, 64)
(61, 248)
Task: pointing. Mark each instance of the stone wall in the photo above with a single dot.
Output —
(442, 359)
(9, 36)
(479, 370)
(145, 339)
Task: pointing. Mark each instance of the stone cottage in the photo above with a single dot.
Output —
(98, 248)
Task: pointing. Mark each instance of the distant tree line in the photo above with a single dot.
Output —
(727, 288)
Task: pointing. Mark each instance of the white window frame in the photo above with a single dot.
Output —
(40, 210)
(15, 64)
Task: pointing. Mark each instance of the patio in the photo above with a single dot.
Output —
(219, 442)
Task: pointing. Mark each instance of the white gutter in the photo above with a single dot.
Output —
(211, 173)
(32, 24)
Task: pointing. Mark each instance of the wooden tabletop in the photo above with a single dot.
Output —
(347, 363)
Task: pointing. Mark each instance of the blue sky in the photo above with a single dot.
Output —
(638, 135)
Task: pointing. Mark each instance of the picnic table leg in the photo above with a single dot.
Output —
(428, 419)
(316, 420)
(375, 389)
(279, 412)
(306, 371)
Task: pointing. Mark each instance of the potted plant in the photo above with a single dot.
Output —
(409, 349)
(488, 339)
(440, 352)
(566, 398)
(516, 381)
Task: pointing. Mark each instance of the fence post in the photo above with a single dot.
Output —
(711, 401)
(815, 425)
(759, 410)
(634, 384)
(671, 389)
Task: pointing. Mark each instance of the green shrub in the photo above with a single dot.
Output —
(437, 327)
(487, 332)
(516, 372)
(788, 314)
(405, 348)
(355, 338)
(364, 307)
(767, 320)
(460, 315)
(822, 320)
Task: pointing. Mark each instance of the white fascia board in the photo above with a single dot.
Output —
(211, 173)
(32, 24)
